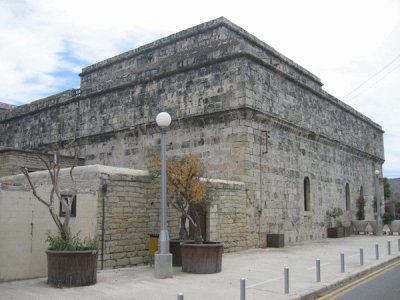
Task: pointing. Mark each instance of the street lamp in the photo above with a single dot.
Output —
(378, 230)
(163, 259)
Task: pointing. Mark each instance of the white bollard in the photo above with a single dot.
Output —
(318, 269)
(361, 256)
(242, 289)
(286, 279)
(342, 262)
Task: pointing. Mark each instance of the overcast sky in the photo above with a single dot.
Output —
(352, 46)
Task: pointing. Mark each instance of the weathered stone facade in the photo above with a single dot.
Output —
(12, 160)
(224, 89)
(395, 188)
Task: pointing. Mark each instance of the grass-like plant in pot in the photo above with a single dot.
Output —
(71, 261)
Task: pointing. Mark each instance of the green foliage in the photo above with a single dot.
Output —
(334, 212)
(74, 243)
(390, 211)
(388, 218)
(360, 208)
(387, 192)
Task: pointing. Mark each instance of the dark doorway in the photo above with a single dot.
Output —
(203, 225)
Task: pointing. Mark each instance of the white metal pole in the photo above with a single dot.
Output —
(164, 236)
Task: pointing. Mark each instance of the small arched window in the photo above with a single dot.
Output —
(347, 196)
(307, 205)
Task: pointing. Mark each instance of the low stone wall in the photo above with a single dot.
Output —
(228, 215)
(120, 206)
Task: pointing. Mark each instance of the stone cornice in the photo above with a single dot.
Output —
(184, 69)
(243, 112)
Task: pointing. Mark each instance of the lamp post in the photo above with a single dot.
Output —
(378, 230)
(163, 259)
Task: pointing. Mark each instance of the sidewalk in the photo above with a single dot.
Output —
(263, 270)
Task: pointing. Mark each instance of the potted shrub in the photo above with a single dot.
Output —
(394, 226)
(389, 217)
(360, 224)
(335, 229)
(70, 260)
(188, 194)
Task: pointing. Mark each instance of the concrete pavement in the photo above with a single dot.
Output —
(263, 270)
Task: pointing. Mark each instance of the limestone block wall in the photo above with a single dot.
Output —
(211, 68)
(128, 213)
(229, 215)
(276, 180)
(315, 112)
(12, 160)
(43, 122)
(224, 89)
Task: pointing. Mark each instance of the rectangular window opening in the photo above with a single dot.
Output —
(68, 199)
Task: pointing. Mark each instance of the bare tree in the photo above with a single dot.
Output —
(53, 169)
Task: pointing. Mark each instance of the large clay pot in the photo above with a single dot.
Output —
(71, 268)
(203, 258)
(395, 226)
(376, 229)
(360, 226)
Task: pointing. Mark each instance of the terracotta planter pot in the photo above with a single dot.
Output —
(377, 230)
(203, 258)
(394, 226)
(360, 226)
(175, 250)
(71, 268)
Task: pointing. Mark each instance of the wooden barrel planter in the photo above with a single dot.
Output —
(175, 250)
(71, 268)
(203, 258)
(335, 232)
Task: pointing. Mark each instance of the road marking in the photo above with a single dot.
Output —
(266, 281)
(358, 282)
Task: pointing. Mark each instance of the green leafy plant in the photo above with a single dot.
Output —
(360, 208)
(389, 214)
(73, 243)
(334, 213)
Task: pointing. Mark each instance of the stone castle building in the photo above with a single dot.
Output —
(250, 113)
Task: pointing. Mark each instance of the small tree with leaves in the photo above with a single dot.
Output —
(387, 192)
(186, 192)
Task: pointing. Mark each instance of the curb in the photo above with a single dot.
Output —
(329, 288)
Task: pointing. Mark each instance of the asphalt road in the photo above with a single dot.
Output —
(381, 285)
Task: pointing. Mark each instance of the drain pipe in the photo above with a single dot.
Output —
(261, 184)
(104, 191)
